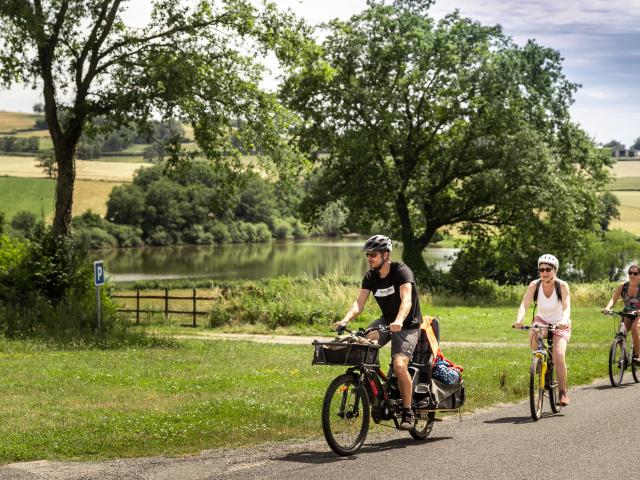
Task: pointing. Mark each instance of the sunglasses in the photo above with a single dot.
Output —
(548, 269)
(634, 273)
(372, 254)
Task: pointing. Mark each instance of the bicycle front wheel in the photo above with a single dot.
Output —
(536, 392)
(345, 415)
(554, 389)
(617, 361)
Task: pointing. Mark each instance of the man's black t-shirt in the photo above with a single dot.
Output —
(386, 291)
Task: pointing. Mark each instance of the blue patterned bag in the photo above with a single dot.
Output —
(445, 373)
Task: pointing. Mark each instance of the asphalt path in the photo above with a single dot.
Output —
(596, 437)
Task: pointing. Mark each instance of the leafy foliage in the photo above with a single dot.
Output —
(419, 125)
(184, 64)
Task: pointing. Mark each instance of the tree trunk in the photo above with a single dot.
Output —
(411, 246)
(64, 190)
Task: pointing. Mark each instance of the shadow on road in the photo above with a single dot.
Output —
(609, 387)
(521, 420)
(318, 458)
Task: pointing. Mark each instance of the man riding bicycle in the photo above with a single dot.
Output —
(394, 288)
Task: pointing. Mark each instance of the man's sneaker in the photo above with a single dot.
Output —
(636, 361)
(408, 419)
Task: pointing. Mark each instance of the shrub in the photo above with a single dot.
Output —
(263, 234)
(219, 231)
(196, 234)
(282, 230)
(160, 237)
(26, 223)
(126, 235)
(46, 288)
(94, 237)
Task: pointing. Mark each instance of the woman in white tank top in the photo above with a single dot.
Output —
(550, 310)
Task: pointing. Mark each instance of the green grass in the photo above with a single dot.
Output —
(31, 194)
(92, 404)
(626, 183)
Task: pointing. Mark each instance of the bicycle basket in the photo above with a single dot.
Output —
(339, 353)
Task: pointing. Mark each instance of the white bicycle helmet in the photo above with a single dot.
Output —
(549, 260)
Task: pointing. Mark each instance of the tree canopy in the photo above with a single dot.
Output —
(418, 125)
(186, 63)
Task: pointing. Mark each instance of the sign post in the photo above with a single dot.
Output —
(98, 279)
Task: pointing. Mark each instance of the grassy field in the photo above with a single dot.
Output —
(627, 169)
(91, 404)
(626, 183)
(31, 194)
(629, 212)
(85, 170)
(10, 121)
(36, 195)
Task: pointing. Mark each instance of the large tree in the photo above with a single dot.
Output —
(185, 63)
(420, 125)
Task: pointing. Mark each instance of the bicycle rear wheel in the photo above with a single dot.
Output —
(536, 392)
(617, 361)
(423, 426)
(554, 389)
(345, 415)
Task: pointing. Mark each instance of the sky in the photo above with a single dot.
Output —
(598, 39)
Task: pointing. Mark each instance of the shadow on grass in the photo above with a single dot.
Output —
(327, 456)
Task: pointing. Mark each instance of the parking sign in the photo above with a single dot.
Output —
(98, 272)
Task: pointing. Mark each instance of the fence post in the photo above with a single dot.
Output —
(166, 304)
(194, 307)
(137, 306)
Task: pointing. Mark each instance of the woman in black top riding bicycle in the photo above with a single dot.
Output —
(630, 293)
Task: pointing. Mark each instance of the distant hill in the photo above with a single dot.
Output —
(11, 122)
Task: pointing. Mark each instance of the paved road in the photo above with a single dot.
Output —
(594, 438)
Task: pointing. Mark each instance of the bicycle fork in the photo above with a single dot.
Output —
(542, 358)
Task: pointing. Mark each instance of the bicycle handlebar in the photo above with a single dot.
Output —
(632, 314)
(549, 328)
(362, 332)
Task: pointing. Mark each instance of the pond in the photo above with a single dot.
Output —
(249, 261)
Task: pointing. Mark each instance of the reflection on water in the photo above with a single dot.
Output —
(314, 258)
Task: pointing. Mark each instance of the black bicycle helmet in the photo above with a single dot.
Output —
(378, 243)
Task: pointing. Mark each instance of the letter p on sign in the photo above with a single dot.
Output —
(98, 272)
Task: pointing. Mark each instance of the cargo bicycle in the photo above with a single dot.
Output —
(365, 392)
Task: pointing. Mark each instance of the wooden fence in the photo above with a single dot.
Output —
(193, 312)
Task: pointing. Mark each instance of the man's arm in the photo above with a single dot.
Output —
(405, 307)
(355, 308)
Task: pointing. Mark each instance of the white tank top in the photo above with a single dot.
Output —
(549, 309)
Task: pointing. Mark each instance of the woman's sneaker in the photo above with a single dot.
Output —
(408, 419)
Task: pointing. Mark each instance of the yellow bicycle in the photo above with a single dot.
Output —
(543, 380)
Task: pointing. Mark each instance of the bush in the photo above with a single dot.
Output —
(46, 288)
(299, 231)
(282, 230)
(160, 237)
(26, 223)
(219, 231)
(126, 235)
(94, 237)
(196, 234)
(263, 234)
